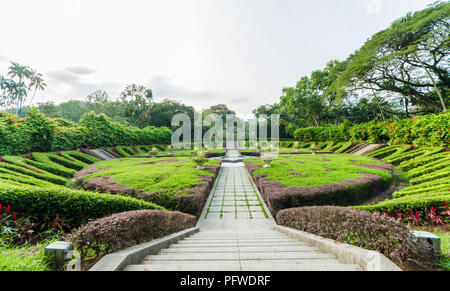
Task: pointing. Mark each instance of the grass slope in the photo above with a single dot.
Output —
(316, 170)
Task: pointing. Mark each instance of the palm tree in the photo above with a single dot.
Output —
(138, 110)
(37, 82)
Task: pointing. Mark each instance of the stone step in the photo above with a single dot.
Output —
(238, 240)
(259, 265)
(222, 244)
(237, 256)
(240, 249)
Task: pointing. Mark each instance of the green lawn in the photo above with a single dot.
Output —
(28, 258)
(316, 170)
(173, 175)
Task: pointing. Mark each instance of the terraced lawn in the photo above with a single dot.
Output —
(172, 182)
(316, 170)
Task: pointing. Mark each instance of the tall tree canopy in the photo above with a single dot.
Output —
(409, 61)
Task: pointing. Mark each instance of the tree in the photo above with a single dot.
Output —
(303, 103)
(162, 113)
(408, 61)
(99, 97)
(73, 110)
(16, 92)
(139, 106)
(50, 109)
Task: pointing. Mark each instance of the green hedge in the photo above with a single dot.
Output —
(79, 156)
(75, 207)
(389, 151)
(430, 130)
(38, 133)
(123, 151)
(420, 202)
(17, 164)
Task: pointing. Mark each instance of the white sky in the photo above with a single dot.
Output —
(200, 52)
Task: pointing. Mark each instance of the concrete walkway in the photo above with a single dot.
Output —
(237, 234)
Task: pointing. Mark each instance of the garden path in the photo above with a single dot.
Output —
(237, 234)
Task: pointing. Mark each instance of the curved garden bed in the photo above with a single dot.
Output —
(173, 183)
(308, 180)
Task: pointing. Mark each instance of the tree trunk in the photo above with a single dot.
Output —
(406, 106)
(434, 83)
(378, 103)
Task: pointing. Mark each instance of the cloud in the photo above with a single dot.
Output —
(80, 70)
(63, 76)
(67, 84)
(163, 87)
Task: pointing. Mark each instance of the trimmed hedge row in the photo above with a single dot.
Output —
(342, 147)
(430, 130)
(405, 156)
(423, 160)
(389, 152)
(126, 229)
(7, 176)
(420, 202)
(429, 168)
(345, 193)
(437, 186)
(429, 171)
(79, 156)
(22, 168)
(74, 206)
(367, 230)
(39, 133)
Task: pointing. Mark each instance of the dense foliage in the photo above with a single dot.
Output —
(122, 230)
(75, 207)
(371, 231)
(400, 72)
(36, 132)
(431, 130)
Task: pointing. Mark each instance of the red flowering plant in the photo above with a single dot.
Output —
(15, 229)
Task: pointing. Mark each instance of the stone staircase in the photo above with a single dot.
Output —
(367, 148)
(102, 154)
(236, 232)
(245, 250)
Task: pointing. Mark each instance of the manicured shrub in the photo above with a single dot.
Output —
(389, 151)
(429, 168)
(371, 231)
(345, 193)
(74, 206)
(421, 202)
(43, 165)
(68, 138)
(340, 147)
(53, 160)
(405, 156)
(126, 229)
(423, 160)
(142, 149)
(79, 156)
(17, 164)
(435, 186)
(125, 151)
(7, 176)
(429, 130)
(37, 132)
(431, 176)
(41, 131)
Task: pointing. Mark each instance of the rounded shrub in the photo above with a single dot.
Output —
(122, 230)
(74, 206)
(372, 231)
